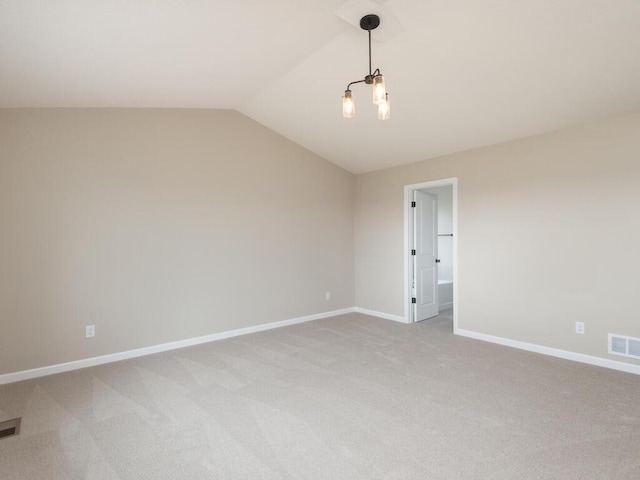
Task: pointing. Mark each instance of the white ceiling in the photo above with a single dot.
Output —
(461, 73)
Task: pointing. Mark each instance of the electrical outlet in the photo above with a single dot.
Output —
(327, 296)
(91, 331)
(580, 328)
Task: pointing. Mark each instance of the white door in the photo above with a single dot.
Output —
(425, 260)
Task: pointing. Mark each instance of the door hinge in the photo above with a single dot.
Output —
(413, 299)
(413, 252)
(437, 260)
(413, 204)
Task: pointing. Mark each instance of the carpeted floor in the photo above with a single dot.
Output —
(350, 397)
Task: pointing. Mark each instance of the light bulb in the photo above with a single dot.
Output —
(384, 109)
(378, 90)
(348, 107)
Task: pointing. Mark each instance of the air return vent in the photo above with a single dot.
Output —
(10, 428)
(625, 346)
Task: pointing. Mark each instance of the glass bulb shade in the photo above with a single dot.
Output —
(384, 109)
(379, 90)
(348, 107)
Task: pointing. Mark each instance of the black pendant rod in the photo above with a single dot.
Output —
(368, 23)
(370, 72)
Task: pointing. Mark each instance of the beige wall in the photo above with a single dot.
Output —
(160, 225)
(549, 234)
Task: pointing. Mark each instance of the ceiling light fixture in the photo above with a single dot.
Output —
(375, 78)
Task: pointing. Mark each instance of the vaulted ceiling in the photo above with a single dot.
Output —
(461, 73)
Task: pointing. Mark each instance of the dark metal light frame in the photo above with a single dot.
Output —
(375, 77)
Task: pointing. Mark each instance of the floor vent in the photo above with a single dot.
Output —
(10, 428)
(625, 346)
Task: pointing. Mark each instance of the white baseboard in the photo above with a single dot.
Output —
(553, 352)
(373, 313)
(116, 357)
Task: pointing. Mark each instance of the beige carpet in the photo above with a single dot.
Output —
(351, 397)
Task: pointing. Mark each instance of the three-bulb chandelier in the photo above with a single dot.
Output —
(375, 78)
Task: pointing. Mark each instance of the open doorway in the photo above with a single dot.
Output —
(431, 250)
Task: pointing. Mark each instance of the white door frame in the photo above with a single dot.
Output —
(408, 235)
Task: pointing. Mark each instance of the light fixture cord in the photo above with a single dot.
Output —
(370, 72)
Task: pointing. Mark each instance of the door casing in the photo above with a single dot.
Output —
(408, 240)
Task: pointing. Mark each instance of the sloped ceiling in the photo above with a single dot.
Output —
(461, 73)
